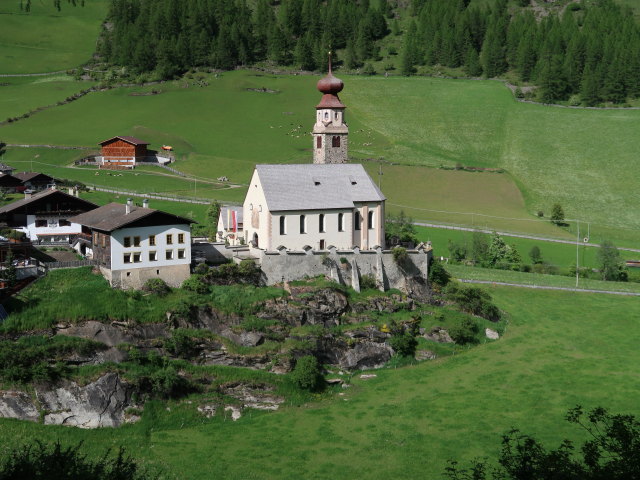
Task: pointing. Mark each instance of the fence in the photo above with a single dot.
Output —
(71, 264)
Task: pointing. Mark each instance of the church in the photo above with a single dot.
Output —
(315, 206)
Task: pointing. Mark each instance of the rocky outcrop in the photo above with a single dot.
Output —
(115, 333)
(439, 334)
(101, 403)
(306, 306)
(19, 405)
(366, 355)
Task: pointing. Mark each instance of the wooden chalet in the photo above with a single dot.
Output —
(122, 152)
(35, 180)
(44, 216)
(9, 183)
(4, 168)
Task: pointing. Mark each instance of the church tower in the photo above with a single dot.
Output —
(330, 133)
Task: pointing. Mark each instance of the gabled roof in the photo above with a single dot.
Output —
(224, 217)
(51, 195)
(26, 176)
(124, 138)
(113, 216)
(9, 180)
(316, 186)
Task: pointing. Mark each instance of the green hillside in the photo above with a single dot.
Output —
(46, 40)
(225, 124)
(559, 351)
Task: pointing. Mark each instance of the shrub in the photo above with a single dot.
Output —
(438, 275)
(343, 260)
(368, 282)
(181, 344)
(306, 374)
(40, 460)
(156, 286)
(473, 300)
(368, 70)
(400, 255)
(540, 213)
(404, 344)
(465, 331)
(195, 284)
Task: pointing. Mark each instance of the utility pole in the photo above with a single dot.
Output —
(577, 252)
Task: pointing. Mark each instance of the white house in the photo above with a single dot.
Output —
(46, 217)
(134, 244)
(230, 225)
(313, 206)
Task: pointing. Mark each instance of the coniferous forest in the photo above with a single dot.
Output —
(589, 53)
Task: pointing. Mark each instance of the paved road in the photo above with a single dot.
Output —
(542, 287)
(515, 235)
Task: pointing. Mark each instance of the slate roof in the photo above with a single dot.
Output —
(37, 197)
(128, 139)
(26, 176)
(224, 217)
(113, 216)
(316, 186)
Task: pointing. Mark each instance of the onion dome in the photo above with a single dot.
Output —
(330, 86)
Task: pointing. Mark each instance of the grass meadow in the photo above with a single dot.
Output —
(563, 349)
(561, 255)
(46, 40)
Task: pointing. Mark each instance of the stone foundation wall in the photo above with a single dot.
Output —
(346, 266)
(173, 275)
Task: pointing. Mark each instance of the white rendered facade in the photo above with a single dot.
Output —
(50, 228)
(150, 247)
(315, 228)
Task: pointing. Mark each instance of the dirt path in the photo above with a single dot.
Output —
(542, 287)
(515, 235)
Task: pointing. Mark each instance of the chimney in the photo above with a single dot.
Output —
(145, 203)
(76, 191)
(27, 194)
(71, 192)
(127, 209)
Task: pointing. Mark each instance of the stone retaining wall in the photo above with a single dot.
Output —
(346, 266)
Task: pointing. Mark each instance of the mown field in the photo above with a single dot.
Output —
(406, 423)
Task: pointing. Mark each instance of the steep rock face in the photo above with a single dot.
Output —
(366, 355)
(320, 307)
(115, 333)
(14, 404)
(99, 404)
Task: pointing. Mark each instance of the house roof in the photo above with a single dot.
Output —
(316, 186)
(7, 180)
(4, 166)
(125, 138)
(26, 176)
(224, 217)
(48, 195)
(113, 216)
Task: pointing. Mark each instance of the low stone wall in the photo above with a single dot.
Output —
(346, 266)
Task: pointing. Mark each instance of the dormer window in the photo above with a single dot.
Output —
(316, 181)
(353, 181)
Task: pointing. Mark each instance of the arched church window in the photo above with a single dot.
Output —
(326, 115)
(335, 141)
(370, 220)
(357, 220)
(283, 225)
(303, 224)
(341, 222)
